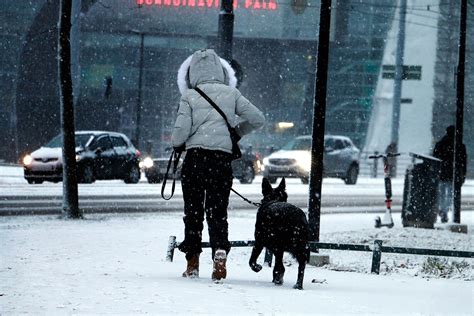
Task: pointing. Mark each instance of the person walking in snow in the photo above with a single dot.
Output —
(392, 148)
(444, 150)
(206, 174)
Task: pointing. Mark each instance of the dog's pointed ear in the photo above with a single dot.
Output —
(282, 185)
(266, 187)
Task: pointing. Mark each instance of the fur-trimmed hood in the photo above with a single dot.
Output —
(205, 66)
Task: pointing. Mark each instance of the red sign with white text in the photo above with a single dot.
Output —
(247, 4)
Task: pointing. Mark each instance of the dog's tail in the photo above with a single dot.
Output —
(307, 253)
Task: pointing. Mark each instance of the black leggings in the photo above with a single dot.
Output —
(206, 179)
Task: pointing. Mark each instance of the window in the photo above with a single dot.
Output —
(103, 143)
(338, 144)
(298, 144)
(329, 143)
(80, 139)
(118, 142)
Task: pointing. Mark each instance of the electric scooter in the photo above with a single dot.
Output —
(387, 220)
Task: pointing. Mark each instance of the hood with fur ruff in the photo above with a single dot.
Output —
(205, 66)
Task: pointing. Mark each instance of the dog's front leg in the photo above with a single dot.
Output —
(257, 249)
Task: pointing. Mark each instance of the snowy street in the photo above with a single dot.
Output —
(367, 196)
(115, 264)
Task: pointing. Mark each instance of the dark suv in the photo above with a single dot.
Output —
(100, 155)
(243, 169)
(341, 160)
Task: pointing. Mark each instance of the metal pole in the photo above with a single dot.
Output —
(459, 114)
(14, 130)
(225, 31)
(75, 47)
(317, 145)
(397, 89)
(70, 194)
(308, 101)
(139, 97)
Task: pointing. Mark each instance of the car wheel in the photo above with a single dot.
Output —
(305, 180)
(272, 180)
(133, 175)
(87, 175)
(247, 175)
(352, 174)
(153, 179)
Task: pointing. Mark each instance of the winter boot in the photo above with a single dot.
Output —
(219, 270)
(192, 270)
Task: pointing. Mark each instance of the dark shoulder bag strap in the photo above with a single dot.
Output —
(214, 106)
(175, 156)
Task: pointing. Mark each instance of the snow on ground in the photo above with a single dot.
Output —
(115, 264)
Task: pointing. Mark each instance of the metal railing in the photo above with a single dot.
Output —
(377, 249)
(373, 168)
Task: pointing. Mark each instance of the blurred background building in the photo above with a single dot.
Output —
(130, 50)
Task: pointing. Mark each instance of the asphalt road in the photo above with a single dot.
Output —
(115, 196)
(27, 205)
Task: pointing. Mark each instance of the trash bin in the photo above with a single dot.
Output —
(420, 192)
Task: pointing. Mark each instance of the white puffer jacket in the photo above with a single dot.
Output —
(198, 124)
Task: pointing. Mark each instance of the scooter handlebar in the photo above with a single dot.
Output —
(384, 156)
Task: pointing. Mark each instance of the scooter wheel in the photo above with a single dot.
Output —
(378, 222)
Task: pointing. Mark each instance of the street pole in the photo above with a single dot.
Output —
(397, 89)
(139, 97)
(75, 47)
(459, 114)
(14, 130)
(225, 31)
(307, 106)
(317, 144)
(70, 195)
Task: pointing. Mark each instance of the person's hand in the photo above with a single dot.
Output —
(180, 149)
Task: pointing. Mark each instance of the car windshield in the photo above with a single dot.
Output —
(81, 141)
(298, 144)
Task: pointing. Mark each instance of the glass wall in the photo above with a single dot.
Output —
(130, 50)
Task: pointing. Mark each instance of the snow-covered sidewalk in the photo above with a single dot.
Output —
(115, 264)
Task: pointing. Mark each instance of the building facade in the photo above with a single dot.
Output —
(130, 50)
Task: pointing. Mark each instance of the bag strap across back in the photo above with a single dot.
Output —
(214, 106)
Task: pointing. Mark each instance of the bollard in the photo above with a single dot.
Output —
(171, 246)
(377, 255)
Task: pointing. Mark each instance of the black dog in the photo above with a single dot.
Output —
(280, 227)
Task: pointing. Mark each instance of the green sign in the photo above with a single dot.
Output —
(409, 72)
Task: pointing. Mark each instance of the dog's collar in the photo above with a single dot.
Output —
(267, 203)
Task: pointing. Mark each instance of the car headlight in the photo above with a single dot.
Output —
(304, 162)
(27, 160)
(147, 162)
